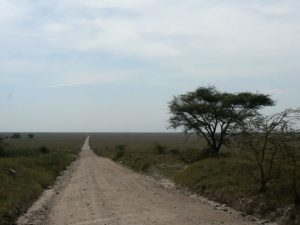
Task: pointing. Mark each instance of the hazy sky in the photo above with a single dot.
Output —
(112, 65)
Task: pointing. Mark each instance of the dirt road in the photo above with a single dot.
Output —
(97, 191)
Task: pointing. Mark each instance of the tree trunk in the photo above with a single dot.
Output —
(262, 186)
(214, 151)
(263, 180)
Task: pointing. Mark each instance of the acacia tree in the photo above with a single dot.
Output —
(273, 140)
(209, 113)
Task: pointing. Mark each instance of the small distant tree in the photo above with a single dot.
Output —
(209, 113)
(1, 147)
(44, 149)
(267, 138)
(16, 136)
(30, 136)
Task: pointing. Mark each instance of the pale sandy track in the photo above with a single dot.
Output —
(97, 191)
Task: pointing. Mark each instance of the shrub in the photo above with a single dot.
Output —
(190, 155)
(1, 147)
(120, 151)
(2, 152)
(173, 151)
(16, 136)
(44, 149)
(160, 148)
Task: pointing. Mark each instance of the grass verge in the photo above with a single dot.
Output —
(27, 167)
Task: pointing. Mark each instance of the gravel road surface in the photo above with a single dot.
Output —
(98, 191)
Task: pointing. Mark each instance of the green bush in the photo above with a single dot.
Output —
(189, 155)
(139, 161)
(30, 136)
(120, 151)
(2, 152)
(44, 149)
(173, 151)
(160, 148)
(16, 136)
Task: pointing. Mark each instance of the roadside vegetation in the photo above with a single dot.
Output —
(228, 152)
(232, 178)
(30, 163)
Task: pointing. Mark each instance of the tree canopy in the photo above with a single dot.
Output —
(212, 114)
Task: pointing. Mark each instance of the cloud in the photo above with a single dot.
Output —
(275, 9)
(11, 10)
(176, 30)
(209, 37)
(62, 85)
(281, 91)
(90, 78)
(131, 4)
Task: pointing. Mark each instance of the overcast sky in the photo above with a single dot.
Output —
(112, 65)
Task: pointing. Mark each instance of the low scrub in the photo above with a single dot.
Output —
(120, 151)
(160, 148)
(191, 155)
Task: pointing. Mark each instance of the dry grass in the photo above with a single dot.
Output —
(35, 169)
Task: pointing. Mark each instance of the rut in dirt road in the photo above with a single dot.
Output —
(101, 192)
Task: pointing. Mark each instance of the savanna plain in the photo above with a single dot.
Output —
(30, 163)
